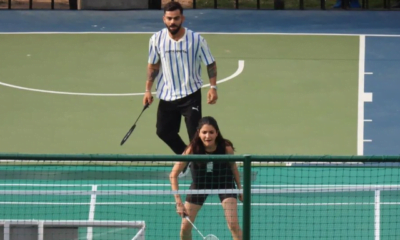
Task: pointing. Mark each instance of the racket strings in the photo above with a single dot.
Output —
(208, 237)
(211, 237)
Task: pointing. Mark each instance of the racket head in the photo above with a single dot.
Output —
(128, 134)
(211, 237)
(134, 125)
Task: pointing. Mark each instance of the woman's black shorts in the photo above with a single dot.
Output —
(199, 199)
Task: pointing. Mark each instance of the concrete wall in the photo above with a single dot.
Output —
(112, 4)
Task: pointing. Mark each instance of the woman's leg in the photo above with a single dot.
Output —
(186, 227)
(230, 209)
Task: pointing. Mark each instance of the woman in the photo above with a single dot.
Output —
(208, 175)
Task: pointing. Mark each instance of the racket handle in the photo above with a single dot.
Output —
(148, 104)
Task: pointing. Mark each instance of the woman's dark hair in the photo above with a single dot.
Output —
(172, 6)
(197, 146)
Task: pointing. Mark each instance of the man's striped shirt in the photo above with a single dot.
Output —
(180, 70)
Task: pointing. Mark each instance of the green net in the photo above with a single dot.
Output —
(130, 197)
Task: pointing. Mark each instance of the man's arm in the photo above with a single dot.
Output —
(152, 72)
(212, 95)
(209, 61)
(212, 73)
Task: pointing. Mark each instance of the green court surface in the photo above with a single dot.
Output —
(292, 202)
(296, 94)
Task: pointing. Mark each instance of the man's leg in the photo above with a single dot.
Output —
(191, 110)
(168, 124)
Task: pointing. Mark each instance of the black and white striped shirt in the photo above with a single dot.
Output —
(180, 71)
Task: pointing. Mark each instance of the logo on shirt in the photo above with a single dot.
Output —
(176, 51)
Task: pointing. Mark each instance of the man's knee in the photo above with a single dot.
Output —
(160, 133)
(164, 134)
(192, 129)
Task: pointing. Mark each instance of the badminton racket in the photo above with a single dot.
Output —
(208, 237)
(134, 125)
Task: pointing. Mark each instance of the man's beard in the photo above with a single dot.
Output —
(173, 32)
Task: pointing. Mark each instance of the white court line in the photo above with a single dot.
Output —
(369, 73)
(367, 120)
(218, 33)
(89, 235)
(46, 203)
(360, 120)
(235, 74)
(104, 233)
(367, 140)
(377, 215)
(367, 97)
(169, 185)
(209, 204)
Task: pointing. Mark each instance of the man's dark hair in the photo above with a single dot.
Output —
(172, 6)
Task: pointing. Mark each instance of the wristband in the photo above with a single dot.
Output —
(214, 86)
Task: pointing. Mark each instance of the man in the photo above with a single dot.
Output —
(174, 63)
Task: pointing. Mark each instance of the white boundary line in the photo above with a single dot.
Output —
(186, 185)
(216, 33)
(239, 70)
(210, 204)
(46, 203)
(360, 118)
(202, 191)
(89, 235)
(377, 214)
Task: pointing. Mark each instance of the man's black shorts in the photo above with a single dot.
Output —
(169, 113)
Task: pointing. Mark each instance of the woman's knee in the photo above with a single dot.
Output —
(234, 226)
(186, 229)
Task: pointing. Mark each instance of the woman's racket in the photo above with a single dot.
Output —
(208, 237)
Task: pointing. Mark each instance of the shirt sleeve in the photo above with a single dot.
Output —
(153, 54)
(205, 53)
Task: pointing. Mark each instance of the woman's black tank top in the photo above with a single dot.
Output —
(213, 175)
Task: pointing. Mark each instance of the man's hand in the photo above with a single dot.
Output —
(212, 96)
(148, 98)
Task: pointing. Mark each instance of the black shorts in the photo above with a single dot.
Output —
(169, 114)
(199, 199)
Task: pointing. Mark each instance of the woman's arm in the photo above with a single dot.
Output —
(173, 177)
(235, 171)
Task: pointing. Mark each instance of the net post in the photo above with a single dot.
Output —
(246, 197)
(6, 231)
(40, 230)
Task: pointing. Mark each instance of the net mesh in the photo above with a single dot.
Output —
(134, 200)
